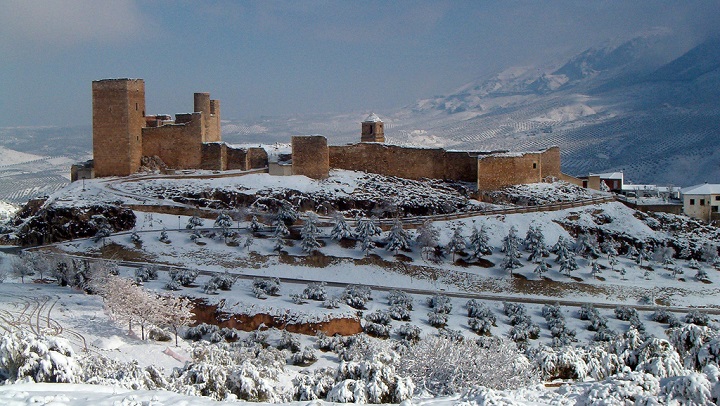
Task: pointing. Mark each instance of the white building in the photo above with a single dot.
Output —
(702, 201)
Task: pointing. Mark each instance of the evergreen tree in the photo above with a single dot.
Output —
(341, 229)
(255, 225)
(367, 227)
(135, 237)
(397, 238)
(511, 248)
(562, 250)
(457, 242)
(224, 222)
(309, 233)
(287, 213)
(595, 270)
(248, 242)
(535, 243)
(541, 268)
(193, 222)
(586, 244)
(164, 236)
(367, 244)
(568, 264)
(479, 245)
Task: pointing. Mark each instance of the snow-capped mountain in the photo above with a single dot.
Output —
(617, 107)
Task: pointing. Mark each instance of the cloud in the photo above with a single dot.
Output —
(67, 23)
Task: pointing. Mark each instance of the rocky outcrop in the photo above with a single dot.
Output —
(38, 224)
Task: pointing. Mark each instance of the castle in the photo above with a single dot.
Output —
(123, 134)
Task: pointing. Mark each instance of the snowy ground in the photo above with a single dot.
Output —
(83, 320)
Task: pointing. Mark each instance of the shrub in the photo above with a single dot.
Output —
(625, 313)
(356, 296)
(696, 317)
(440, 304)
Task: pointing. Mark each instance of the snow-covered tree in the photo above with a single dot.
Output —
(193, 222)
(587, 244)
(281, 231)
(397, 238)
(309, 233)
(287, 213)
(175, 312)
(541, 268)
(255, 225)
(427, 238)
(709, 253)
(367, 227)
(224, 222)
(479, 243)
(457, 242)
(164, 236)
(664, 255)
(642, 256)
(135, 237)
(443, 366)
(510, 246)
(249, 240)
(341, 230)
(595, 269)
(23, 266)
(24, 355)
(535, 243)
(104, 231)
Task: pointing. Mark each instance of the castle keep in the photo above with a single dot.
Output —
(123, 134)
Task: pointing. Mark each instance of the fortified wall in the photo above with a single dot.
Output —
(404, 162)
(489, 170)
(123, 134)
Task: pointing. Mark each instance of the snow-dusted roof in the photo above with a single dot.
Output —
(608, 175)
(703, 189)
(372, 118)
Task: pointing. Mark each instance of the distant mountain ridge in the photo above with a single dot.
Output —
(609, 108)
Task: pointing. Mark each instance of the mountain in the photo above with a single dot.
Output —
(616, 107)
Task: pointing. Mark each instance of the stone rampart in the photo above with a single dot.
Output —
(236, 159)
(178, 145)
(404, 162)
(256, 158)
(496, 171)
(310, 156)
(214, 156)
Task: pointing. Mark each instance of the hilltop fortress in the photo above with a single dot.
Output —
(123, 134)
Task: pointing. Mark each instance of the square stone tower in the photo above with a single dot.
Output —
(118, 119)
(372, 129)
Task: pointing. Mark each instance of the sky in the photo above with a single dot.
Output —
(276, 58)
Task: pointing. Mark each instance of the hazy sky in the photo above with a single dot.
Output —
(286, 57)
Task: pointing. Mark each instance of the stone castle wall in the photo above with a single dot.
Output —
(310, 156)
(214, 156)
(410, 163)
(178, 145)
(496, 171)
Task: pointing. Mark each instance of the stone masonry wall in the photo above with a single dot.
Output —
(496, 171)
(310, 156)
(550, 162)
(236, 159)
(256, 158)
(214, 156)
(178, 145)
(410, 163)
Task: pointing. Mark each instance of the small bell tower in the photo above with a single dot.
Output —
(372, 129)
